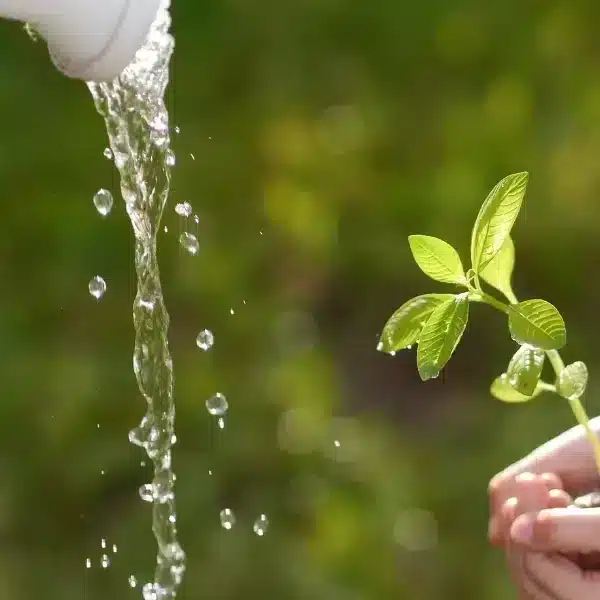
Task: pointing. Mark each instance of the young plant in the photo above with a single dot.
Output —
(436, 322)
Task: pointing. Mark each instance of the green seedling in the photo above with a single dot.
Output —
(436, 322)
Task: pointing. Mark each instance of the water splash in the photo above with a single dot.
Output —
(137, 122)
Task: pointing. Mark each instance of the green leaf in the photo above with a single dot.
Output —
(404, 326)
(496, 218)
(525, 368)
(437, 259)
(572, 381)
(502, 390)
(498, 272)
(441, 335)
(538, 323)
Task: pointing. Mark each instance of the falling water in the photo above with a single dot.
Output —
(137, 122)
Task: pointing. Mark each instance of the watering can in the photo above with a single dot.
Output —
(93, 40)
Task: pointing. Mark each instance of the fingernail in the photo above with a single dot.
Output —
(522, 530)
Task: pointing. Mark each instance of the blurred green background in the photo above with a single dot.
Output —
(322, 134)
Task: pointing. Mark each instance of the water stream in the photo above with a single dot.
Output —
(137, 123)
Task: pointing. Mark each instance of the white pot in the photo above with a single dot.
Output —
(92, 40)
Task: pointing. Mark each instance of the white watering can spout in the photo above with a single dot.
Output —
(92, 40)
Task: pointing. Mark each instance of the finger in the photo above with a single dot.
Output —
(569, 456)
(552, 481)
(531, 494)
(558, 530)
(561, 578)
(497, 529)
(530, 590)
(559, 499)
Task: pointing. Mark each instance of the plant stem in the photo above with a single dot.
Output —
(558, 365)
(556, 361)
(584, 421)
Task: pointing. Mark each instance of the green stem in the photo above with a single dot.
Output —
(558, 365)
(556, 361)
(584, 421)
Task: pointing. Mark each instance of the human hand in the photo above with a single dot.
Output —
(568, 457)
(550, 550)
(532, 493)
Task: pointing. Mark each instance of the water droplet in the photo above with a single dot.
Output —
(166, 229)
(196, 219)
(172, 518)
(189, 243)
(88, 563)
(183, 209)
(205, 340)
(105, 561)
(97, 287)
(177, 130)
(227, 518)
(336, 443)
(231, 311)
(409, 347)
(221, 423)
(146, 434)
(261, 525)
(170, 158)
(193, 157)
(132, 581)
(154, 591)
(114, 548)
(217, 405)
(379, 347)
(103, 201)
(147, 492)
(108, 153)
(174, 552)
(103, 543)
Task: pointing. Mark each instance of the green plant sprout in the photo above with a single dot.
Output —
(436, 322)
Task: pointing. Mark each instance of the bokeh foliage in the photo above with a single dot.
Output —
(322, 134)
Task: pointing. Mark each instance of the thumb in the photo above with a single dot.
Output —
(559, 530)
